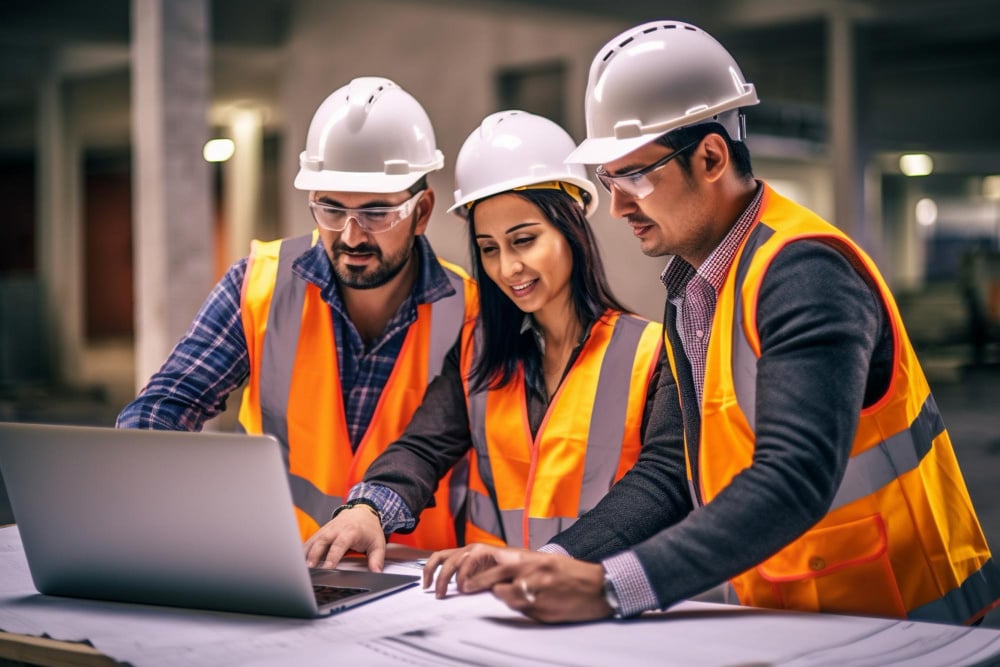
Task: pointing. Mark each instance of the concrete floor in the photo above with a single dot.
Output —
(968, 398)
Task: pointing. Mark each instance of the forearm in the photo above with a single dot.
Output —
(436, 438)
(652, 496)
(207, 364)
(811, 379)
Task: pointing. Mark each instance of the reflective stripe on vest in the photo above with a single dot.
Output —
(604, 437)
(898, 454)
(900, 538)
(964, 602)
(278, 362)
(866, 472)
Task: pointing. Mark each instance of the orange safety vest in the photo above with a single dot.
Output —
(901, 538)
(589, 437)
(294, 391)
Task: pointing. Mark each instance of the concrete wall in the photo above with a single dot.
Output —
(447, 55)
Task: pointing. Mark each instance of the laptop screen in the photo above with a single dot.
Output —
(201, 520)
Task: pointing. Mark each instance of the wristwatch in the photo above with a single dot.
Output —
(611, 597)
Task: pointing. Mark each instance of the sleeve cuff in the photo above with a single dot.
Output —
(551, 548)
(395, 515)
(635, 593)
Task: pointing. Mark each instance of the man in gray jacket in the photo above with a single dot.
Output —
(795, 450)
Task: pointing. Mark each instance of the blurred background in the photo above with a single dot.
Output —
(878, 114)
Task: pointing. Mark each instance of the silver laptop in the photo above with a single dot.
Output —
(200, 520)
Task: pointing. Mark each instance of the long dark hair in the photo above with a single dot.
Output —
(503, 347)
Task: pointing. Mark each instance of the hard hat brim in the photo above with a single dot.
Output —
(507, 186)
(347, 181)
(607, 149)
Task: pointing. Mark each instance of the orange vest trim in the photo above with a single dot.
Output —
(524, 490)
(294, 391)
(901, 538)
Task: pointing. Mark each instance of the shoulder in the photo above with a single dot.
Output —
(812, 282)
(817, 265)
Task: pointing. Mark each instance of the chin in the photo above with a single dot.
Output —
(649, 250)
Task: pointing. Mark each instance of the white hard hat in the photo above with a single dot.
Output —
(516, 149)
(654, 78)
(368, 136)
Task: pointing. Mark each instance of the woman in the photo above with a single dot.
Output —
(547, 391)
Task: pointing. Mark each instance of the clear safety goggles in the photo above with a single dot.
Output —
(637, 184)
(372, 219)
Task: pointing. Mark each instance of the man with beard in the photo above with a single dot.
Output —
(336, 333)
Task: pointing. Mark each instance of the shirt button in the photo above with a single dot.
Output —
(699, 333)
(816, 563)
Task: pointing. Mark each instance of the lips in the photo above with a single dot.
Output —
(524, 288)
(361, 254)
(639, 227)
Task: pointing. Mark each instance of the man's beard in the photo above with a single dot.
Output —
(385, 270)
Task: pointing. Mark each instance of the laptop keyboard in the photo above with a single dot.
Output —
(327, 594)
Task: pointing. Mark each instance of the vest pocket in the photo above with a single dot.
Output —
(839, 569)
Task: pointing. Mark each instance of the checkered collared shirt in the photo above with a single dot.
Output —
(694, 292)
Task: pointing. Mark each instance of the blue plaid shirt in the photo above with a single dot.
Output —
(210, 361)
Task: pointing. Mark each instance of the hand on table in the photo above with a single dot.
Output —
(546, 587)
(355, 529)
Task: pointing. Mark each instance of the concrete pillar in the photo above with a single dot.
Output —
(172, 225)
(242, 181)
(842, 112)
(59, 247)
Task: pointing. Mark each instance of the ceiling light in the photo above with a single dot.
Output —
(916, 164)
(927, 212)
(218, 150)
(991, 186)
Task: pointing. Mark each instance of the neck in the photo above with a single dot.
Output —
(733, 197)
(371, 309)
(561, 332)
(560, 326)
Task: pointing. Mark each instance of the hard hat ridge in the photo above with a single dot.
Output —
(513, 150)
(655, 78)
(368, 136)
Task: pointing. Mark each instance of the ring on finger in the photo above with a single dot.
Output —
(527, 593)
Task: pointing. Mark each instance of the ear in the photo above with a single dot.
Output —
(713, 156)
(424, 209)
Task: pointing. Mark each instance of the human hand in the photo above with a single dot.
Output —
(546, 587)
(354, 529)
(462, 563)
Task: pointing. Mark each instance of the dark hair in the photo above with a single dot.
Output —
(421, 184)
(503, 348)
(686, 135)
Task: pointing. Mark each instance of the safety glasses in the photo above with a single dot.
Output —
(372, 219)
(637, 184)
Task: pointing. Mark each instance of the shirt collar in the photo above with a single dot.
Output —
(714, 269)
(431, 284)
(530, 324)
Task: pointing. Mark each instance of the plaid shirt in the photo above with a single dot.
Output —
(211, 361)
(694, 292)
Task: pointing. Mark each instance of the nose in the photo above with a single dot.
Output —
(510, 266)
(352, 233)
(621, 204)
